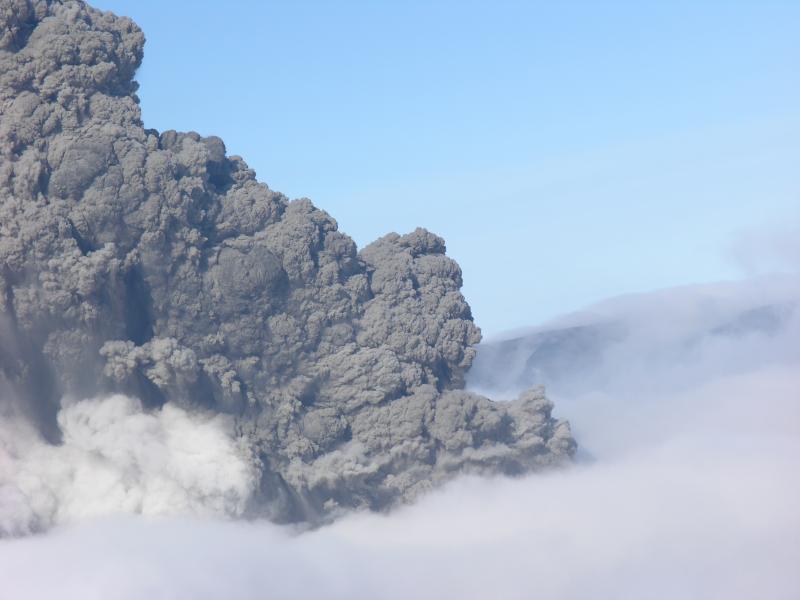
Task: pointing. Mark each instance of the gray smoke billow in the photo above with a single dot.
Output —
(152, 265)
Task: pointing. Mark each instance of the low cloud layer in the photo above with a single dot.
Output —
(639, 358)
(687, 487)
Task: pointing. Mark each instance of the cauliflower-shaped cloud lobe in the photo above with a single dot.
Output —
(154, 265)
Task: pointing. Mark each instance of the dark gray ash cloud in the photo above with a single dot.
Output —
(153, 265)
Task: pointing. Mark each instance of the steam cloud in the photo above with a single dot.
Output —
(116, 458)
(688, 488)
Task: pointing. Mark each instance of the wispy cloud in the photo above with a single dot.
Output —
(765, 250)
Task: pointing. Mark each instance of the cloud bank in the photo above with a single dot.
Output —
(688, 488)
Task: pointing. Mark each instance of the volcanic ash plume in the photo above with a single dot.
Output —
(155, 266)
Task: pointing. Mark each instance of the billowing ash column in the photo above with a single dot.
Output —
(155, 265)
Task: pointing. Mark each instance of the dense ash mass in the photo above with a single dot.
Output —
(155, 265)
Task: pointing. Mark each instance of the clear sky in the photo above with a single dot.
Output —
(566, 151)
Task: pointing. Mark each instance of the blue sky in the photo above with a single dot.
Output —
(567, 151)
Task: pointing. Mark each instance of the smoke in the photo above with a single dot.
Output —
(153, 264)
(688, 487)
(115, 458)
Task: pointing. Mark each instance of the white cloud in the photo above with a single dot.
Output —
(116, 458)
